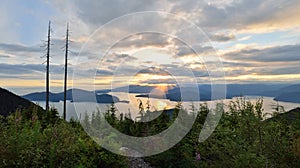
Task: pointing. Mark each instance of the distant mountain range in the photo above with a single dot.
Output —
(79, 96)
(281, 92)
(10, 102)
(289, 94)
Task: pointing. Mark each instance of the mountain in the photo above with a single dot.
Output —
(41, 96)
(254, 89)
(134, 89)
(9, 102)
(188, 94)
(75, 95)
(289, 94)
(204, 90)
(291, 88)
(293, 97)
(54, 97)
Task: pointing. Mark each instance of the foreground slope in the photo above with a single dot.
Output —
(10, 102)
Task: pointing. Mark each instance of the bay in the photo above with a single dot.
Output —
(77, 110)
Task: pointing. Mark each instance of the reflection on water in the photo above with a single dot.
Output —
(79, 109)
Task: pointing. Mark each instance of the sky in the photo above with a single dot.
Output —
(166, 42)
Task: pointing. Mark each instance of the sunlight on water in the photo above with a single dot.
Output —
(155, 104)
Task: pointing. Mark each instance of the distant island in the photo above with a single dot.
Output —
(79, 96)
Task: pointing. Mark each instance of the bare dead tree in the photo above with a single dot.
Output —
(47, 67)
(66, 72)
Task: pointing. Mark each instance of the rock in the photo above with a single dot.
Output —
(137, 161)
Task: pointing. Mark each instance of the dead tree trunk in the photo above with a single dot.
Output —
(66, 73)
(47, 67)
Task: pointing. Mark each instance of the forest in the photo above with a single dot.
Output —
(243, 138)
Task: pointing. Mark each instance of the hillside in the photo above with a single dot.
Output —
(291, 117)
(9, 102)
(293, 97)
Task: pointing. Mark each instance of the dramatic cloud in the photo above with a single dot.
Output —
(255, 39)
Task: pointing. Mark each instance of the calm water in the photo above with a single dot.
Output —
(79, 109)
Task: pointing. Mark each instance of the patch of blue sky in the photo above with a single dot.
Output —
(31, 16)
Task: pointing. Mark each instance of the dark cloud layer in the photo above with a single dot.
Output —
(197, 49)
(19, 48)
(288, 53)
(28, 69)
(222, 37)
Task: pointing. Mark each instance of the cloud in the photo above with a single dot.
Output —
(197, 49)
(211, 16)
(154, 71)
(124, 57)
(145, 39)
(246, 14)
(19, 48)
(32, 71)
(277, 70)
(170, 81)
(231, 64)
(222, 20)
(88, 11)
(288, 53)
(4, 56)
(222, 37)
(102, 72)
(200, 73)
(168, 66)
(20, 69)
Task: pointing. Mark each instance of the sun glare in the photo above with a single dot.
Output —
(163, 88)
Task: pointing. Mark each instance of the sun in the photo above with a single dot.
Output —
(163, 88)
